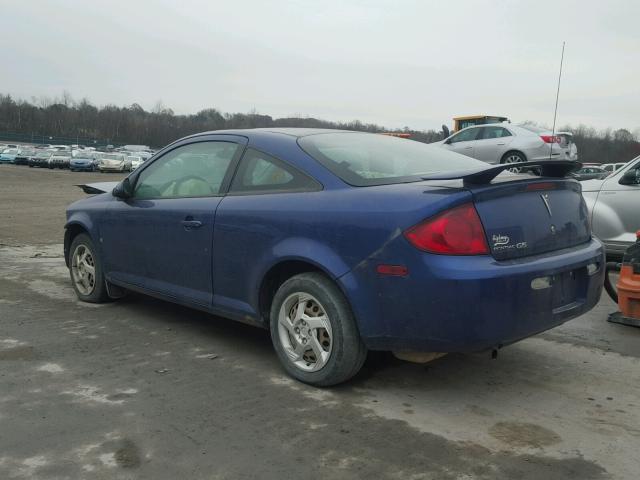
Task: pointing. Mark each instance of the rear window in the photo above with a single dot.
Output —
(364, 159)
(533, 129)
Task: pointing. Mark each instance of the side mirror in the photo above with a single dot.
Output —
(630, 177)
(124, 189)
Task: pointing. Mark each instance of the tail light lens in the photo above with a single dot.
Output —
(551, 138)
(455, 232)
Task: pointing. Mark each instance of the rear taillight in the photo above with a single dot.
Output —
(551, 138)
(455, 232)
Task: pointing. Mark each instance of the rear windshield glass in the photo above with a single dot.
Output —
(363, 159)
(533, 129)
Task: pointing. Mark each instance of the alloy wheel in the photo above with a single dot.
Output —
(304, 331)
(513, 158)
(83, 270)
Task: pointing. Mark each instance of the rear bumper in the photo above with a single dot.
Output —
(545, 152)
(111, 169)
(465, 304)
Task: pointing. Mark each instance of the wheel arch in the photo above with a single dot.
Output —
(513, 150)
(282, 271)
(72, 230)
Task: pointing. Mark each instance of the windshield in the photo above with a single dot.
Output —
(113, 156)
(364, 159)
(43, 154)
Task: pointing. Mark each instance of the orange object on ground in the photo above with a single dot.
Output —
(629, 282)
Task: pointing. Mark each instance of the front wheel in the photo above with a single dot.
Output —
(314, 332)
(86, 272)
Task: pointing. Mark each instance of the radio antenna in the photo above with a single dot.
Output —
(555, 112)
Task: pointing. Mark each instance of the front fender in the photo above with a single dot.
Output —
(77, 221)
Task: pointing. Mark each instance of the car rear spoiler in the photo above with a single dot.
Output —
(548, 168)
(95, 188)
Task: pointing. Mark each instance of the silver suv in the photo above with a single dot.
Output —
(506, 143)
(614, 206)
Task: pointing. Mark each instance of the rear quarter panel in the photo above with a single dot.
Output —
(334, 230)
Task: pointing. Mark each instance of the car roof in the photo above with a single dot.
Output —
(290, 131)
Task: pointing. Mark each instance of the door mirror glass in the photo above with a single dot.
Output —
(631, 177)
(123, 189)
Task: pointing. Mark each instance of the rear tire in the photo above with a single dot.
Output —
(314, 331)
(85, 269)
(513, 157)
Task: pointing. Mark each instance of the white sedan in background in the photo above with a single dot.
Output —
(506, 143)
(114, 162)
(136, 161)
(614, 207)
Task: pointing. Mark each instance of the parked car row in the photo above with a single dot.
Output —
(64, 157)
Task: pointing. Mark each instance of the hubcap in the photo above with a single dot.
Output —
(513, 159)
(304, 331)
(83, 270)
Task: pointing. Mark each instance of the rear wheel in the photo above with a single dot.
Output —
(513, 157)
(314, 332)
(85, 269)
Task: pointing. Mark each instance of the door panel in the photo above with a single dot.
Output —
(155, 244)
(161, 239)
(464, 142)
(492, 143)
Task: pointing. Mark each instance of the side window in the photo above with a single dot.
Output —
(495, 132)
(465, 135)
(194, 170)
(259, 173)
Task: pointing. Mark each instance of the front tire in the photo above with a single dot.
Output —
(314, 332)
(85, 269)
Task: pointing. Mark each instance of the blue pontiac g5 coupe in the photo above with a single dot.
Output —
(342, 242)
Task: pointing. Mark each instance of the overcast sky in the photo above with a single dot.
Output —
(396, 63)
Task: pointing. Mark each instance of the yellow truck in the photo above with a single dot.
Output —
(469, 120)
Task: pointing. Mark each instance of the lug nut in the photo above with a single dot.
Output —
(297, 330)
(304, 340)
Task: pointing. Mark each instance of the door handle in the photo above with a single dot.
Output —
(467, 148)
(499, 143)
(191, 224)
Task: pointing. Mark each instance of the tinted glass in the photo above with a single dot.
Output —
(195, 170)
(259, 172)
(495, 132)
(363, 159)
(465, 135)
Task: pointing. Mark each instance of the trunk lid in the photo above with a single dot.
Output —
(530, 217)
(524, 215)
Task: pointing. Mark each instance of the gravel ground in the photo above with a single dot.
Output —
(140, 388)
